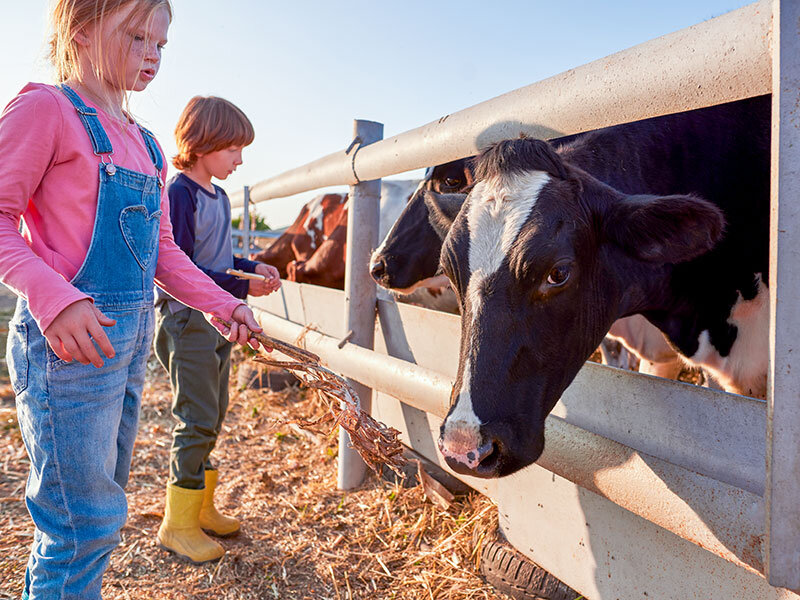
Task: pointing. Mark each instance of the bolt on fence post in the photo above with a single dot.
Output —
(246, 223)
(359, 289)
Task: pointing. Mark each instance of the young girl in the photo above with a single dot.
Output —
(84, 231)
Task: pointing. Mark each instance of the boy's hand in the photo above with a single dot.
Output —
(71, 333)
(256, 287)
(271, 284)
(273, 277)
(242, 323)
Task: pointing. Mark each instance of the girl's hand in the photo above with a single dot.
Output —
(273, 281)
(242, 323)
(71, 333)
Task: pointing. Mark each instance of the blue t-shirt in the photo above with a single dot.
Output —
(201, 224)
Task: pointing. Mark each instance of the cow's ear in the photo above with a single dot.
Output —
(666, 229)
(443, 210)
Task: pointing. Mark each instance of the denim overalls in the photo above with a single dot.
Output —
(79, 422)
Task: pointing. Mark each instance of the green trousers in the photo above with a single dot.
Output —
(198, 360)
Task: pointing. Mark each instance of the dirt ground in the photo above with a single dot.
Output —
(301, 538)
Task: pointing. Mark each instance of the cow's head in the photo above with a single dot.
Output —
(409, 255)
(544, 258)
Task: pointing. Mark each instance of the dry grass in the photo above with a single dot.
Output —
(301, 538)
(376, 443)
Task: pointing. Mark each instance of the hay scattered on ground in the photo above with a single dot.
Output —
(301, 537)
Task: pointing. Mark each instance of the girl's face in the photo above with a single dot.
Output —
(129, 54)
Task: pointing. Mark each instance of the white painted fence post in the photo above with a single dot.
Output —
(782, 495)
(362, 238)
(246, 223)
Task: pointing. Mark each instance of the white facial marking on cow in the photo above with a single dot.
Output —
(462, 427)
(742, 371)
(498, 208)
(314, 221)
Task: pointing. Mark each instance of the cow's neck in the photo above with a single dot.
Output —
(683, 320)
(648, 290)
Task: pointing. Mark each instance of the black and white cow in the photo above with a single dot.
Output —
(408, 257)
(545, 258)
(422, 225)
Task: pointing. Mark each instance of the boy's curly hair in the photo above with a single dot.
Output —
(208, 124)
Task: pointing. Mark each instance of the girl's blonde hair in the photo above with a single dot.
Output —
(69, 17)
(208, 124)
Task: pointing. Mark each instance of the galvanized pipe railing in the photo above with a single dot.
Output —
(720, 60)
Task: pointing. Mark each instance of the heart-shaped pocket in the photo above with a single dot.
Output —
(140, 231)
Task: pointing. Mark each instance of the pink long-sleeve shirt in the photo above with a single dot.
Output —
(49, 179)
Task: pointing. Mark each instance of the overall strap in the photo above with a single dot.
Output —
(152, 148)
(100, 142)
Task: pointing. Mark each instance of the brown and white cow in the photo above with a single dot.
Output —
(545, 258)
(316, 222)
(326, 265)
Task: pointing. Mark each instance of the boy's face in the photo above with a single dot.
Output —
(221, 163)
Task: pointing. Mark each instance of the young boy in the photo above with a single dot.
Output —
(210, 134)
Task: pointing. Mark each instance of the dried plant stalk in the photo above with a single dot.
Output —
(375, 442)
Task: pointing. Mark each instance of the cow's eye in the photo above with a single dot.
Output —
(558, 275)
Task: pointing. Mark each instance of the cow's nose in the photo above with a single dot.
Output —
(473, 458)
(378, 268)
(463, 457)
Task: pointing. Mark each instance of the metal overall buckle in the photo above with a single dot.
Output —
(109, 166)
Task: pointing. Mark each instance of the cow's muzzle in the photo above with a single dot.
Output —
(377, 269)
(490, 452)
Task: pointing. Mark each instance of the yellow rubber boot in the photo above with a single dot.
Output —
(180, 530)
(211, 520)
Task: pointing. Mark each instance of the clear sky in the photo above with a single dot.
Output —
(303, 70)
